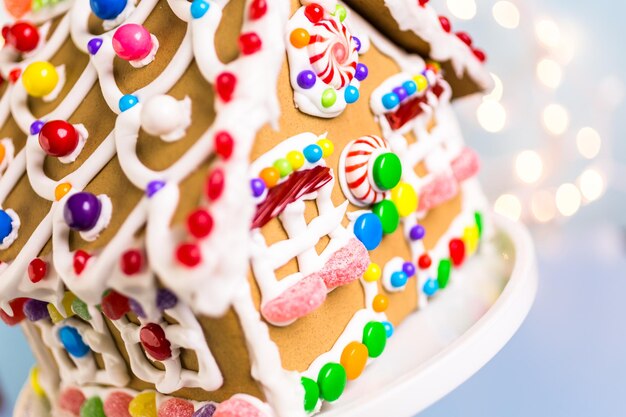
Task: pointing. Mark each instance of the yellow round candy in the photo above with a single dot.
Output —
(327, 147)
(61, 190)
(470, 238)
(296, 159)
(372, 273)
(405, 198)
(34, 382)
(354, 359)
(299, 38)
(143, 405)
(421, 81)
(40, 78)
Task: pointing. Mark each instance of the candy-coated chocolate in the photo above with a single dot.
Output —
(369, 230)
(155, 342)
(388, 213)
(443, 273)
(311, 393)
(375, 338)
(387, 171)
(354, 359)
(73, 342)
(332, 381)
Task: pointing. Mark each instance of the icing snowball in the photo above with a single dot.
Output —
(166, 117)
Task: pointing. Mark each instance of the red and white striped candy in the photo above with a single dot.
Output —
(441, 189)
(332, 53)
(358, 159)
(466, 165)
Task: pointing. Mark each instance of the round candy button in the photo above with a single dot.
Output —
(73, 342)
(388, 214)
(387, 171)
(375, 338)
(369, 230)
(332, 381)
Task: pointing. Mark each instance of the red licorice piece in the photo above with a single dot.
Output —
(215, 184)
(37, 270)
(115, 305)
(153, 340)
(58, 138)
(80, 261)
(249, 43)
(465, 38)
(224, 144)
(14, 75)
(314, 12)
(200, 223)
(23, 36)
(424, 261)
(445, 23)
(258, 8)
(480, 55)
(17, 305)
(457, 251)
(188, 254)
(225, 85)
(131, 262)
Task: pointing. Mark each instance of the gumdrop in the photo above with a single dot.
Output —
(116, 404)
(205, 411)
(175, 407)
(17, 305)
(70, 400)
(237, 407)
(115, 305)
(143, 405)
(92, 408)
(36, 310)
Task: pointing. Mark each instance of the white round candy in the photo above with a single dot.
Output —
(166, 117)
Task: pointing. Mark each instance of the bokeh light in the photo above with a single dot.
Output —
(462, 9)
(498, 89)
(506, 14)
(588, 142)
(529, 166)
(568, 199)
(509, 206)
(591, 184)
(548, 32)
(491, 116)
(543, 206)
(555, 119)
(549, 73)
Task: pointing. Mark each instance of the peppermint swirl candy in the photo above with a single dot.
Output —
(332, 53)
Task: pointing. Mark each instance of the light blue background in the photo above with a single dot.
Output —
(568, 359)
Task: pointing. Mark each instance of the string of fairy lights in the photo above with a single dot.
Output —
(538, 193)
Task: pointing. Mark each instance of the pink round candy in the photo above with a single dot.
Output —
(175, 407)
(237, 407)
(116, 404)
(70, 400)
(132, 42)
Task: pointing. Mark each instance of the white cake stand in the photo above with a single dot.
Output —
(437, 349)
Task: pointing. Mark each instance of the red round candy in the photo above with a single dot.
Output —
(457, 251)
(58, 138)
(116, 404)
(249, 43)
(257, 10)
(71, 399)
(465, 38)
(200, 223)
(175, 407)
(154, 342)
(80, 261)
(188, 254)
(115, 305)
(14, 75)
(480, 55)
(17, 305)
(225, 85)
(215, 184)
(37, 270)
(131, 262)
(314, 12)
(23, 36)
(224, 144)
(423, 2)
(445, 23)
(424, 261)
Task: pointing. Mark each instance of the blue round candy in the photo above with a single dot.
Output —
(351, 94)
(36, 126)
(306, 79)
(5, 225)
(73, 342)
(430, 287)
(93, 46)
(361, 72)
(107, 9)
(313, 153)
(410, 87)
(199, 8)
(388, 328)
(127, 101)
(417, 232)
(390, 100)
(153, 187)
(258, 187)
(409, 269)
(398, 279)
(369, 230)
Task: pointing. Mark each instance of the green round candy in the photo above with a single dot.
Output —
(283, 166)
(374, 338)
(332, 381)
(329, 97)
(311, 393)
(92, 408)
(443, 273)
(341, 12)
(479, 222)
(387, 171)
(387, 212)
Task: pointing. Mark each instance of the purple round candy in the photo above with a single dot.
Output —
(165, 299)
(94, 45)
(36, 126)
(361, 72)
(153, 187)
(205, 411)
(306, 79)
(136, 308)
(258, 187)
(409, 269)
(417, 232)
(35, 310)
(82, 211)
(401, 93)
(358, 43)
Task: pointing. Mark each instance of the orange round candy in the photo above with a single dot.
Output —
(299, 38)
(17, 8)
(62, 190)
(270, 176)
(380, 303)
(3, 152)
(354, 359)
